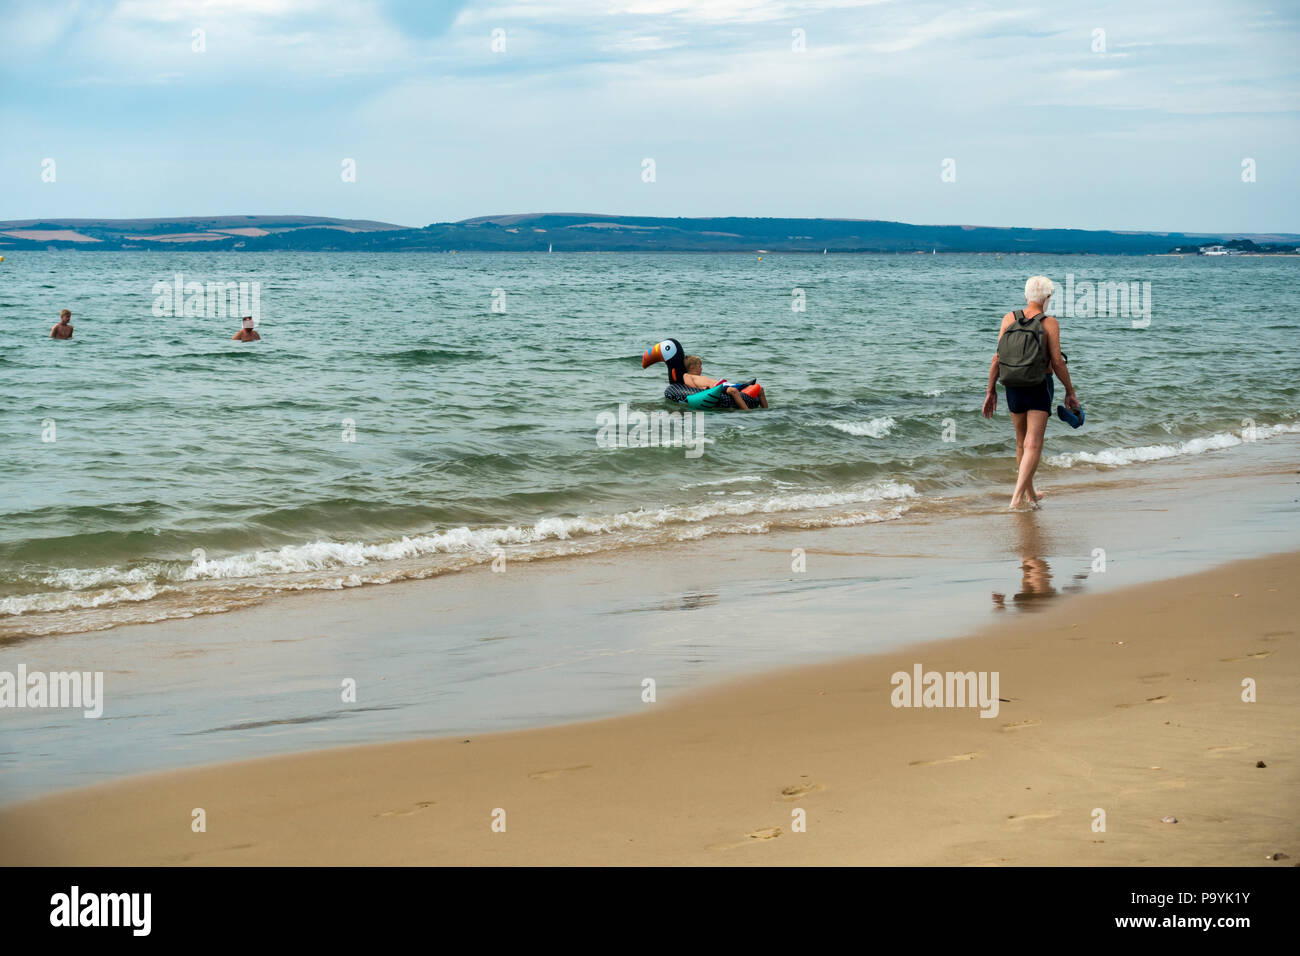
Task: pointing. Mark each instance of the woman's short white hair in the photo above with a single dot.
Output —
(1038, 289)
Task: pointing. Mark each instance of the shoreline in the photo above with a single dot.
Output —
(890, 499)
(554, 642)
(202, 248)
(1126, 701)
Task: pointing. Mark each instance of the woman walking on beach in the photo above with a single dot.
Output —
(1029, 351)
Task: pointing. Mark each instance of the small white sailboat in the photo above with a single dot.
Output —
(550, 247)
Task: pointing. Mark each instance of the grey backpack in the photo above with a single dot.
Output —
(1022, 352)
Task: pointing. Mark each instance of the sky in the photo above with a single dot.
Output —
(1168, 116)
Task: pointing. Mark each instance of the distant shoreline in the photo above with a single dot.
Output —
(681, 252)
(670, 252)
(600, 233)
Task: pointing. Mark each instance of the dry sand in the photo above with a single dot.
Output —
(1128, 702)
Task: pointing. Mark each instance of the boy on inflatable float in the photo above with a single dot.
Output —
(687, 386)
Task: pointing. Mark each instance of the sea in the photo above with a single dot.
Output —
(411, 415)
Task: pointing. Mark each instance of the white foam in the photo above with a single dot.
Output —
(740, 479)
(70, 600)
(81, 578)
(85, 588)
(875, 428)
(866, 517)
(1144, 453)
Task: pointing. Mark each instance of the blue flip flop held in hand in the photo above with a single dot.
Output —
(1073, 419)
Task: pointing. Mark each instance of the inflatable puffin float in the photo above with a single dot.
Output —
(671, 353)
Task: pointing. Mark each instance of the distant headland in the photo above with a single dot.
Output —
(593, 232)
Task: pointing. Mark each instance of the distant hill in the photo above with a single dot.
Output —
(588, 232)
(207, 232)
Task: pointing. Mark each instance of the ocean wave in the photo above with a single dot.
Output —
(81, 579)
(96, 587)
(77, 600)
(863, 517)
(875, 428)
(433, 356)
(739, 479)
(1145, 453)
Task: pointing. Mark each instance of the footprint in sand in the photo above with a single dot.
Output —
(1274, 635)
(1176, 784)
(798, 790)
(764, 833)
(422, 805)
(1162, 699)
(1019, 725)
(186, 857)
(1152, 678)
(550, 774)
(1222, 749)
(954, 757)
(1257, 655)
(1044, 815)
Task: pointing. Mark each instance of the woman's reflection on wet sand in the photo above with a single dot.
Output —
(1036, 587)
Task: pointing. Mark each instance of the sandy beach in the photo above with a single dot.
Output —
(1127, 702)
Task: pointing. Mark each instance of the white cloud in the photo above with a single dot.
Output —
(640, 44)
(194, 11)
(702, 11)
(947, 26)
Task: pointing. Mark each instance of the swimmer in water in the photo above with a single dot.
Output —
(64, 329)
(247, 333)
(693, 379)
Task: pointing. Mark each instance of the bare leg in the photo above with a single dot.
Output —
(762, 396)
(1031, 451)
(1021, 425)
(1018, 419)
(738, 399)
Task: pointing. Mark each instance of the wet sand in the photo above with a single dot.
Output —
(562, 640)
(1127, 702)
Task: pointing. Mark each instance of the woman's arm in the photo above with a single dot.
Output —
(991, 396)
(1052, 329)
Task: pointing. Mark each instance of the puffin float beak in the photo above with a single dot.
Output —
(652, 355)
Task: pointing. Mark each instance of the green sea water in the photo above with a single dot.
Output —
(410, 414)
